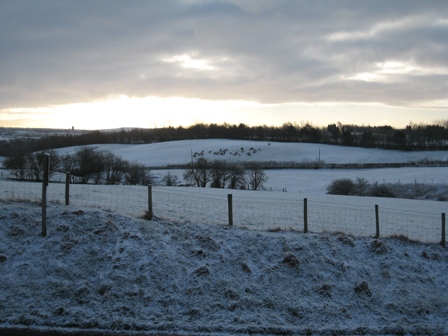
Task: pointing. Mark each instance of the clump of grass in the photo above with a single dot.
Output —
(148, 215)
(291, 260)
(378, 247)
(362, 288)
(404, 238)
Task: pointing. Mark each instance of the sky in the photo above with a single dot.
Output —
(107, 64)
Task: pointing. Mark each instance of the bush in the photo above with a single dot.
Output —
(381, 191)
(341, 187)
(361, 186)
(170, 180)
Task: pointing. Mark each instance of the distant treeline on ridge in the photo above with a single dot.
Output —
(413, 137)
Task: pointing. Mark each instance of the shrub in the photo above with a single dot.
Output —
(361, 186)
(381, 191)
(170, 180)
(341, 187)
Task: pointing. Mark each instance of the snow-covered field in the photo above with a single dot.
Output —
(102, 267)
(180, 152)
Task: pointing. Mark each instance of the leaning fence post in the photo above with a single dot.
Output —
(377, 221)
(230, 206)
(67, 188)
(443, 241)
(305, 215)
(45, 182)
(149, 214)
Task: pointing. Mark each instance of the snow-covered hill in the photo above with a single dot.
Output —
(102, 270)
(181, 152)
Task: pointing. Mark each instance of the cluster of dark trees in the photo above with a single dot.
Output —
(89, 165)
(359, 187)
(85, 165)
(413, 137)
(222, 174)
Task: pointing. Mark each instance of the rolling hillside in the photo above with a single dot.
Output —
(181, 152)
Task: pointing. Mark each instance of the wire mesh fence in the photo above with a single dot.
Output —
(357, 220)
(186, 206)
(413, 224)
(256, 213)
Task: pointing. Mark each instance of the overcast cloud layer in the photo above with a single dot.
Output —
(389, 52)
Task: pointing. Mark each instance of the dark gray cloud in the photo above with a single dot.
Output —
(391, 52)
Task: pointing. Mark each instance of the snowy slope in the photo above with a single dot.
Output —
(98, 269)
(180, 152)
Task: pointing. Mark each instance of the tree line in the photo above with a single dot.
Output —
(412, 137)
(223, 174)
(89, 165)
(86, 165)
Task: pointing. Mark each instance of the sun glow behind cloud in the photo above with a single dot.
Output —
(155, 112)
(124, 111)
(386, 71)
(188, 62)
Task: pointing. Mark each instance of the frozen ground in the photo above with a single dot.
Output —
(102, 270)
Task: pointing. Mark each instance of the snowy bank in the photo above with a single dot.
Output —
(102, 270)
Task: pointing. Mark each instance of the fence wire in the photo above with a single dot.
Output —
(267, 214)
(355, 220)
(412, 224)
(185, 206)
(188, 205)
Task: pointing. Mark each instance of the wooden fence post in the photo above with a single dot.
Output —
(230, 206)
(305, 215)
(67, 188)
(149, 214)
(45, 181)
(443, 241)
(377, 221)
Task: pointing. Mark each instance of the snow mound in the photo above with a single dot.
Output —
(101, 270)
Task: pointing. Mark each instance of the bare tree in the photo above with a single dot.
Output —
(198, 172)
(219, 174)
(88, 163)
(30, 166)
(237, 177)
(35, 164)
(256, 176)
(136, 173)
(114, 168)
(16, 163)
